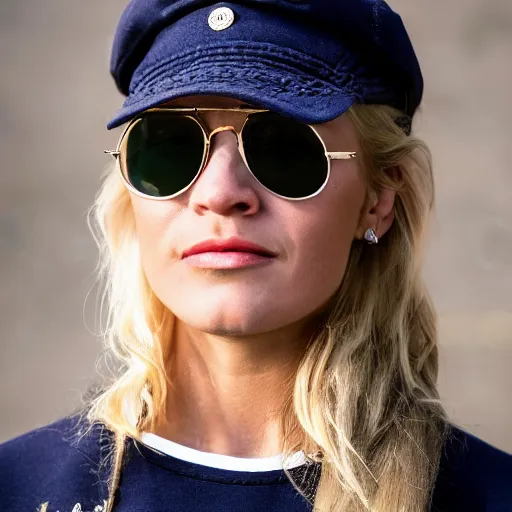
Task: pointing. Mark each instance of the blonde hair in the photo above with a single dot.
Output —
(364, 397)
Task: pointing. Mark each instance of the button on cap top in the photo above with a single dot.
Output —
(221, 18)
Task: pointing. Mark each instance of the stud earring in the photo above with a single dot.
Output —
(371, 237)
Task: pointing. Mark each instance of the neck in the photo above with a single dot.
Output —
(227, 393)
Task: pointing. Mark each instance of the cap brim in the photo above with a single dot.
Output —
(264, 83)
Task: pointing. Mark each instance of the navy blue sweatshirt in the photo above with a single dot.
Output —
(61, 469)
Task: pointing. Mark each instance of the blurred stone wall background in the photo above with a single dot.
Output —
(56, 96)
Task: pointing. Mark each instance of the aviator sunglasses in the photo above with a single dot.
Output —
(163, 151)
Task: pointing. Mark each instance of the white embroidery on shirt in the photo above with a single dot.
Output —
(77, 508)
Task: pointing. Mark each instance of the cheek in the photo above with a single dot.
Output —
(153, 221)
(323, 238)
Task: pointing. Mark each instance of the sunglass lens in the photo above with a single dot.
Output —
(163, 153)
(284, 155)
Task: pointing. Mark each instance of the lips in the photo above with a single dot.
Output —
(228, 245)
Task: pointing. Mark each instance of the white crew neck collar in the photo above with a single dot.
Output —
(217, 461)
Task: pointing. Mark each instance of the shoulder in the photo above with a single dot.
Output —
(57, 462)
(473, 476)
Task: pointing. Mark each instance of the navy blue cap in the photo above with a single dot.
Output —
(308, 59)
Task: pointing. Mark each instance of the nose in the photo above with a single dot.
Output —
(225, 186)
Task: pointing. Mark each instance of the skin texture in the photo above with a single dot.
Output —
(240, 333)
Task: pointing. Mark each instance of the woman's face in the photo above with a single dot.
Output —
(310, 239)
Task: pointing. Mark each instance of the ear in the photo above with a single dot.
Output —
(378, 212)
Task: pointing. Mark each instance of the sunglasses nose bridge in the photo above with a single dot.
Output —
(223, 129)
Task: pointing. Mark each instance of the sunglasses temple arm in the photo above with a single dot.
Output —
(336, 155)
(113, 154)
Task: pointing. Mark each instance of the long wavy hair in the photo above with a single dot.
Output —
(364, 404)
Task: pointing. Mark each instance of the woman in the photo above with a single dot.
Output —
(261, 235)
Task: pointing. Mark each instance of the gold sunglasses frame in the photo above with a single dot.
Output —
(194, 114)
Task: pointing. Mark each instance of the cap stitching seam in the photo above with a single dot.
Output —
(253, 75)
(225, 66)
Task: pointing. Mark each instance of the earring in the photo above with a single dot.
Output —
(371, 237)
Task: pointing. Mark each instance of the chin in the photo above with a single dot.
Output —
(239, 310)
(229, 321)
